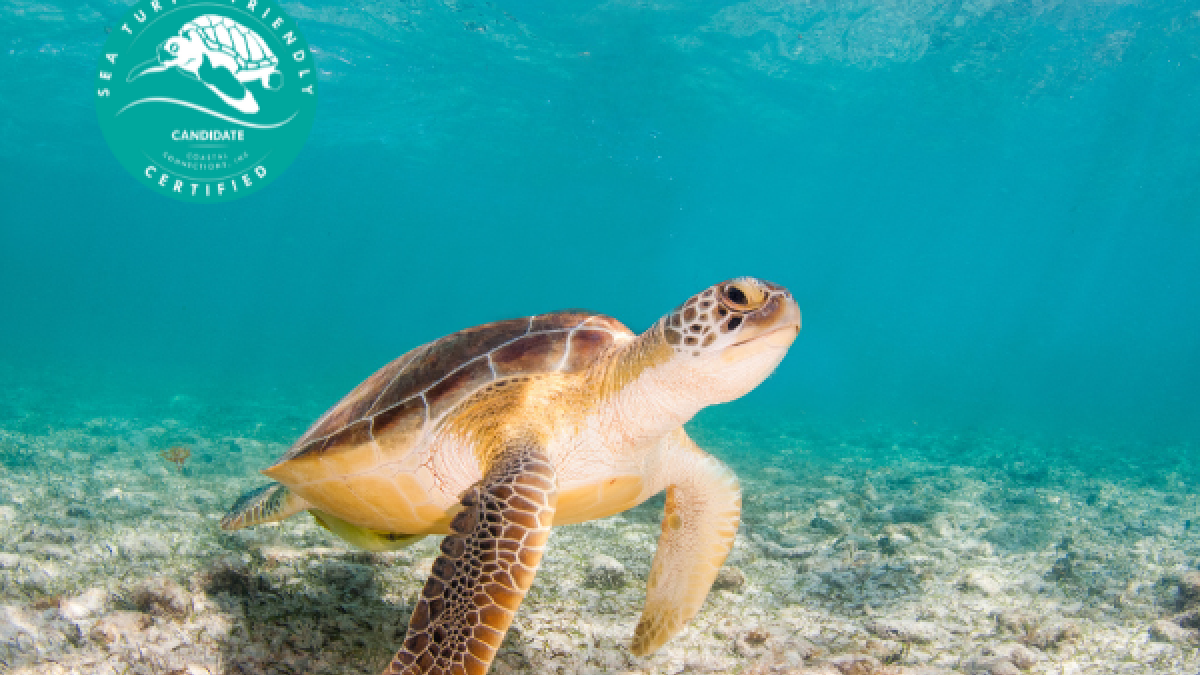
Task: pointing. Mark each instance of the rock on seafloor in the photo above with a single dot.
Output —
(921, 632)
(85, 605)
(978, 580)
(161, 596)
(121, 627)
(1189, 589)
(605, 572)
(1170, 631)
(729, 579)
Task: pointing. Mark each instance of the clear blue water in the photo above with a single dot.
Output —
(989, 212)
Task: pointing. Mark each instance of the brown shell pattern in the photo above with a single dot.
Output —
(426, 382)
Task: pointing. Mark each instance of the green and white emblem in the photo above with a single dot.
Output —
(206, 101)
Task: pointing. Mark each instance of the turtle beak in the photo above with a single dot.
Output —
(790, 316)
(150, 66)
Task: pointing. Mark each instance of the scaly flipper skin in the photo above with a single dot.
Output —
(486, 567)
(704, 503)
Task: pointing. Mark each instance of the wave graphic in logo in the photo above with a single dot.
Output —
(212, 113)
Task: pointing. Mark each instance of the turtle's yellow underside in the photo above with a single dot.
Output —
(412, 485)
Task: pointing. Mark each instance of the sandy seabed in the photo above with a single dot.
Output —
(862, 552)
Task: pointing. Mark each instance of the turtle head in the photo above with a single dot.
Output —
(180, 52)
(173, 52)
(728, 338)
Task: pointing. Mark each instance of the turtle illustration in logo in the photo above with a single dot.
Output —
(221, 54)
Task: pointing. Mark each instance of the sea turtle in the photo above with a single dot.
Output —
(222, 54)
(492, 434)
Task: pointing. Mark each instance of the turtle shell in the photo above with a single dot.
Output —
(404, 400)
(225, 35)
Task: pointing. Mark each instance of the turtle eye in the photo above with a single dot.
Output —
(744, 295)
(173, 48)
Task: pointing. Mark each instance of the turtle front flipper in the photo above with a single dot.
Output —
(222, 82)
(486, 567)
(267, 504)
(700, 521)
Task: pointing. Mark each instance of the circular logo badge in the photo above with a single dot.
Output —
(206, 101)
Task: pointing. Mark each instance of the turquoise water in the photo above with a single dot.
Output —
(987, 211)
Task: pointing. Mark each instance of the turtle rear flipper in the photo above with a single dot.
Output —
(267, 504)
